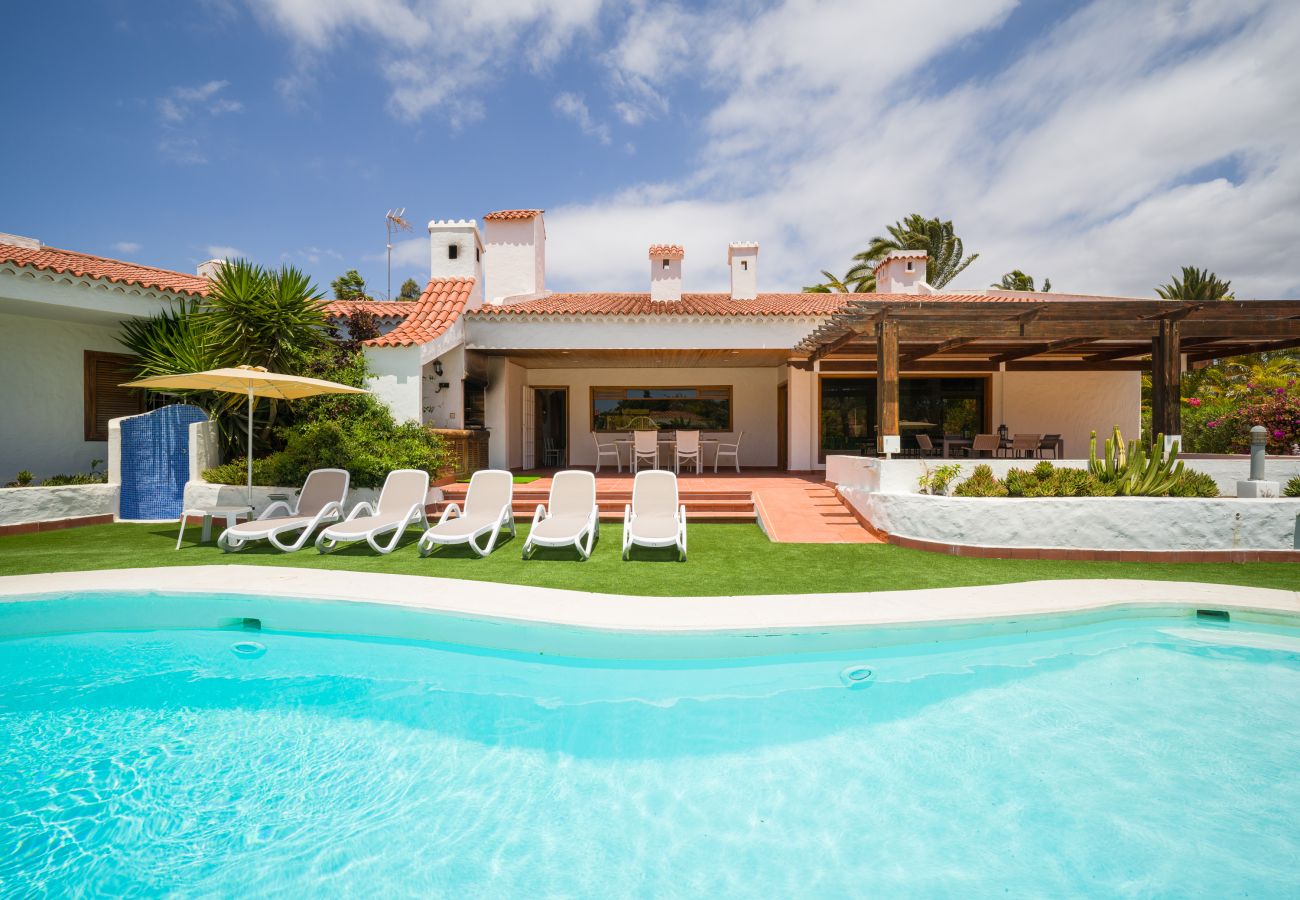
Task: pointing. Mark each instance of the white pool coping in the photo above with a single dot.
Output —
(773, 613)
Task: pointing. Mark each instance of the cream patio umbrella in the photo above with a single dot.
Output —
(254, 381)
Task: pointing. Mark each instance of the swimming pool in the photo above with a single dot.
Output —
(1130, 757)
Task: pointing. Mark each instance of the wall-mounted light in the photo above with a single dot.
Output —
(437, 367)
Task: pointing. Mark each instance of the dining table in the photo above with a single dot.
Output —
(954, 442)
(671, 444)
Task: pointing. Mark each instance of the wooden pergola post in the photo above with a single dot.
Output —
(886, 382)
(1166, 380)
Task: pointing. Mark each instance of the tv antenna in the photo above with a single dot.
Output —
(393, 223)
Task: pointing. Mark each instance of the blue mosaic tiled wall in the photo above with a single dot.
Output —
(156, 461)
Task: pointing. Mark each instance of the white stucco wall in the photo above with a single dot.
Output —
(445, 408)
(397, 380)
(802, 419)
(753, 402)
(1085, 523)
(42, 369)
(48, 504)
(1072, 404)
(900, 476)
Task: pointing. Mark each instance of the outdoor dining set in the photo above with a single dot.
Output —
(1019, 446)
(666, 449)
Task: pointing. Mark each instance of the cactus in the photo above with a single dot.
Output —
(1136, 471)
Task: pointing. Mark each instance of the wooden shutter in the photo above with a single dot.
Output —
(104, 399)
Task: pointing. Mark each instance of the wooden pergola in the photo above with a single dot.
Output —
(891, 336)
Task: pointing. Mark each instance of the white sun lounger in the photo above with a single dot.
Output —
(487, 511)
(320, 501)
(401, 503)
(569, 516)
(654, 518)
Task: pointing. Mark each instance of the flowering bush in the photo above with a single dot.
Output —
(1223, 425)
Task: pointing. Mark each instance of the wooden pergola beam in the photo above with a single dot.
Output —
(936, 349)
(1036, 349)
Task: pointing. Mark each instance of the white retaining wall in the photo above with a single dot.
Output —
(900, 476)
(21, 506)
(884, 492)
(1085, 523)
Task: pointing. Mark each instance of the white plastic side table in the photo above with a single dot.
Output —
(229, 513)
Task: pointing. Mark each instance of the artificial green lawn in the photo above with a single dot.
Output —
(724, 559)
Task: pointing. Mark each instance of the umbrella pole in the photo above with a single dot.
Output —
(250, 447)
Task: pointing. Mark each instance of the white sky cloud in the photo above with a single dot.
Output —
(126, 247)
(223, 251)
(571, 106)
(1123, 141)
(1077, 161)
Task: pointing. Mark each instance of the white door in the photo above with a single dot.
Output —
(526, 423)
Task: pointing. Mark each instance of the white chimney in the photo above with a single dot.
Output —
(742, 259)
(456, 252)
(666, 272)
(515, 255)
(210, 268)
(902, 272)
(18, 240)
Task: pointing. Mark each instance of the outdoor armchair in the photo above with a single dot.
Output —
(984, 443)
(607, 450)
(570, 516)
(654, 518)
(731, 450)
(320, 501)
(645, 445)
(487, 510)
(687, 449)
(401, 503)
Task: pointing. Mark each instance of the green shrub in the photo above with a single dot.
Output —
(1194, 484)
(981, 484)
(936, 481)
(1292, 488)
(369, 451)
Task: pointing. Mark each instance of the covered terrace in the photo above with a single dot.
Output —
(888, 338)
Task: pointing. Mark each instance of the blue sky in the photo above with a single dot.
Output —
(1100, 143)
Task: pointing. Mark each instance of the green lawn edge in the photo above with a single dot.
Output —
(725, 560)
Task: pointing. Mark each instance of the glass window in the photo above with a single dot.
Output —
(933, 406)
(629, 409)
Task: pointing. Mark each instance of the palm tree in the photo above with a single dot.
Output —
(272, 316)
(1237, 375)
(1016, 280)
(936, 237)
(1196, 285)
(854, 282)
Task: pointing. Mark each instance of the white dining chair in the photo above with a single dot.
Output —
(645, 445)
(729, 449)
(687, 449)
(607, 450)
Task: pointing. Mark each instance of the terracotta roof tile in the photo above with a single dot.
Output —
(69, 262)
(385, 309)
(614, 304)
(671, 251)
(512, 214)
(721, 304)
(429, 317)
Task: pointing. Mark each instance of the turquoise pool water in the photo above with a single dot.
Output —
(1153, 757)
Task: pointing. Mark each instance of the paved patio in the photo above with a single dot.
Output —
(792, 507)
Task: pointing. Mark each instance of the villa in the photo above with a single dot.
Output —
(532, 378)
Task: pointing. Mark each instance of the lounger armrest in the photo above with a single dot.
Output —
(681, 514)
(270, 510)
(332, 508)
(627, 514)
(362, 508)
(446, 513)
(539, 514)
